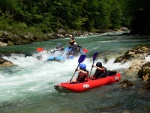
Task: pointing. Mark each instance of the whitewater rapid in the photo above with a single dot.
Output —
(32, 77)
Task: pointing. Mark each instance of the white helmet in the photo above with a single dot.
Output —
(75, 43)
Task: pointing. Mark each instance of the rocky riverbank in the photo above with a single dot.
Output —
(140, 65)
(9, 39)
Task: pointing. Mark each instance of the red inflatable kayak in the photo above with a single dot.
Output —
(90, 84)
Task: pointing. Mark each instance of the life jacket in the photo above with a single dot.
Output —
(72, 41)
(82, 77)
(100, 74)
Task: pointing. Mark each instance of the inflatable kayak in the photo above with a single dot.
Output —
(58, 58)
(90, 84)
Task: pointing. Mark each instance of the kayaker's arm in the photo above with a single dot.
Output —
(81, 71)
(101, 69)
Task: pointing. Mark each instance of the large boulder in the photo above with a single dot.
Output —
(136, 57)
(3, 44)
(135, 66)
(144, 72)
(137, 53)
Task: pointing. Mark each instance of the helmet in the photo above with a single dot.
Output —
(82, 66)
(99, 64)
(75, 43)
(71, 36)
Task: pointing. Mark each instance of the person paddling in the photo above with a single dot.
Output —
(100, 71)
(82, 75)
(71, 41)
(59, 47)
(76, 47)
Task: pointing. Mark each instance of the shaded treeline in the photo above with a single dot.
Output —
(140, 11)
(45, 16)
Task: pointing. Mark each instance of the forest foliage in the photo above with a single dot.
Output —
(46, 16)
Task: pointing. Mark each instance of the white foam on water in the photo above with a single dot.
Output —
(147, 59)
(36, 76)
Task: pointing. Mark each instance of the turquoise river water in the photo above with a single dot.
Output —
(28, 87)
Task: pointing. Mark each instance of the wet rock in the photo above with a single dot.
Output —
(144, 72)
(10, 43)
(3, 44)
(143, 50)
(137, 57)
(135, 66)
(57, 35)
(4, 62)
(137, 53)
(125, 83)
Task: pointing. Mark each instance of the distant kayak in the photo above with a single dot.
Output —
(60, 54)
(68, 53)
(59, 58)
(90, 84)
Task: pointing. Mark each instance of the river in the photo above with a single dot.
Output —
(28, 87)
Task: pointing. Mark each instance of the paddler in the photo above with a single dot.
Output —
(71, 41)
(100, 71)
(82, 75)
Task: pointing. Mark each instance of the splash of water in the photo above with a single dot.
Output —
(31, 76)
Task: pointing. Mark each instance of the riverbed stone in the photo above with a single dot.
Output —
(135, 66)
(4, 62)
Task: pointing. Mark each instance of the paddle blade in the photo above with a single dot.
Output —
(81, 59)
(85, 50)
(39, 49)
(94, 56)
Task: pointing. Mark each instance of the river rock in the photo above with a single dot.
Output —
(4, 62)
(137, 53)
(135, 66)
(136, 57)
(144, 72)
(3, 44)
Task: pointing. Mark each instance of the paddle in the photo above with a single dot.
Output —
(81, 59)
(85, 50)
(94, 57)
(39, 49)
